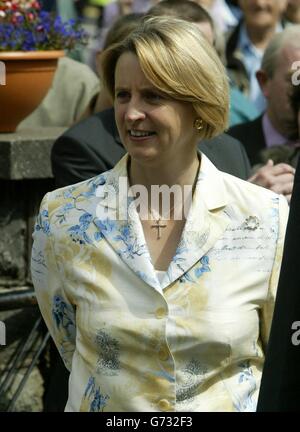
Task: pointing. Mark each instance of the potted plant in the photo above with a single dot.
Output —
(31, 42)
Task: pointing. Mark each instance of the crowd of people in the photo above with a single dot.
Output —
(160, 313)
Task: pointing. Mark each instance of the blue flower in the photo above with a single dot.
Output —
(42, 223)
(125, 234)
(90, 388)
(68, 193)
(205, 266)
(99, 401)
(32, 29)
(98, 236)
(85, 220)
(78, 232)
(107, 225)
(63, 315)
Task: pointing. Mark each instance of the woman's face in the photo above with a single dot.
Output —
(152, 126)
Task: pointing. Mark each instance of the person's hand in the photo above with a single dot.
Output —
(278, 178)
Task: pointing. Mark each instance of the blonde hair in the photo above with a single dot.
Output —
(177, 59)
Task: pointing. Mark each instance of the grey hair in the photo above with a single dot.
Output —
(289, 36)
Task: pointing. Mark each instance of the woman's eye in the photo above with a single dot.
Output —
(122, 94)
(155, 97)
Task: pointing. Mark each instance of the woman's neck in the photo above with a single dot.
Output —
(176, 183)
(176, 172)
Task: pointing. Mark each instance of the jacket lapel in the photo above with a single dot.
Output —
(205, 224)
(118, 222)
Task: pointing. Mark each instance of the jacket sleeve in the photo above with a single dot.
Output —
(268, 308)
(57, 310)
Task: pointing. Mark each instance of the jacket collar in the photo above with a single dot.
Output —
(117, 220)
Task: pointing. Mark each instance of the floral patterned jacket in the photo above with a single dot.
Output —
(195, 341)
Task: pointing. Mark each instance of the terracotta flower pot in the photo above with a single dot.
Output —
(28, 78)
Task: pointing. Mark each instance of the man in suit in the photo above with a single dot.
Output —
(280, 386)
(273, 128)
(271, 135)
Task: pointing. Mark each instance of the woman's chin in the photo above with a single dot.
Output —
(143, 154)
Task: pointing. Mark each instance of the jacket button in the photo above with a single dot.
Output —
(163, 354)
(164, 405)
(160, 313)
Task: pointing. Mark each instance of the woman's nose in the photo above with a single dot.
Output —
(134, 112)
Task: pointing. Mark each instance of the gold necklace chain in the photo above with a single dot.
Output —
(158, 221)
(160, 216)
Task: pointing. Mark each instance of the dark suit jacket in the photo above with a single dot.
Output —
(280, 386)
(251, 135)
(93, 146)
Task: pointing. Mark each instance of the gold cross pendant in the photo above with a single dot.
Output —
(158, 227)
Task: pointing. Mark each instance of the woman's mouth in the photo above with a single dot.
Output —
(140, 134)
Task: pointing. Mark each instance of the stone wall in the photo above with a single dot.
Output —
(25, 176)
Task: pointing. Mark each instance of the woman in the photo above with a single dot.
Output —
(150, 311)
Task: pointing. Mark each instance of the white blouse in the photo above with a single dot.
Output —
(160, 275)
